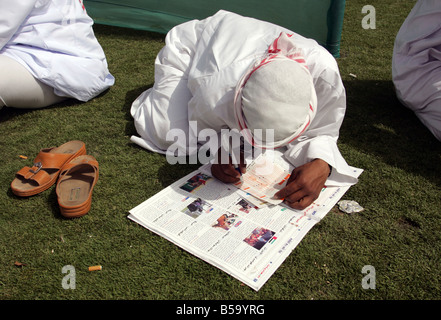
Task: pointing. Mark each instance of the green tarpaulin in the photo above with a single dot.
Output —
(321, 20)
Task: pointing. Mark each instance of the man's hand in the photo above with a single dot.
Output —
(226, 172)
(305, 184)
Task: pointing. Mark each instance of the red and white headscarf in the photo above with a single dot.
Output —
(276, 92)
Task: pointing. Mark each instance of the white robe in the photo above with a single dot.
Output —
(416, 63)
(54, 41)
(195, 78)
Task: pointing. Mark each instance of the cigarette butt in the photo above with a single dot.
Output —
(95, 268)
(23, 157)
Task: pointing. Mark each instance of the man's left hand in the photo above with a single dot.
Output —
(305, 184)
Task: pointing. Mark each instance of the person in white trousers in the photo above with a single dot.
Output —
(416, 63)
(48, 53)
(235, 72)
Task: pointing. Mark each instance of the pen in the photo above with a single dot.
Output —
(236, 167)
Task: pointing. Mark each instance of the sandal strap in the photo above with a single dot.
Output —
(26, 172)
(37, 175)
(44, 160)
(71, 165)
(52, 160)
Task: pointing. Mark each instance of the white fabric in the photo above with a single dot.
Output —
(277, 96)
(276, 93)
(19, 89)
(196, 75)
(54, 40)
(416, 63)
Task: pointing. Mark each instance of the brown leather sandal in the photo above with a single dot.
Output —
(47, 165)
(75, 186)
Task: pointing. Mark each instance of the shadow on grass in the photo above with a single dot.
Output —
(9, 113)
(124, 33)
(130, 97)
(170, 173)
(377, 123)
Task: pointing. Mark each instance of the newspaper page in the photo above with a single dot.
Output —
(229, 228)
(265, 177)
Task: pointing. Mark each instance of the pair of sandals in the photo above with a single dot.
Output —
(76, 172)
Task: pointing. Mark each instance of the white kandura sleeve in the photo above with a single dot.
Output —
(13, 13)
(320, 140)
(164, 107)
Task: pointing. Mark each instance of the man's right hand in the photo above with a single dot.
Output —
(226, 172)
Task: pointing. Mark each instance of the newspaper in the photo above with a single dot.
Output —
(265, 176)
(230, 228)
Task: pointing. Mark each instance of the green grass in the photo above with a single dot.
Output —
(398, 232)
